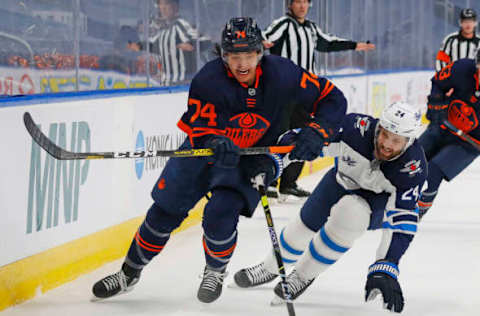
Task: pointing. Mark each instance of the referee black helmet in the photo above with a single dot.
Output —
(468, 14)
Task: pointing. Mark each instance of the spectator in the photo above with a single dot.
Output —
(126, 52)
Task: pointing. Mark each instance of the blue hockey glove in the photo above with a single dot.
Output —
(310, 142)
(262, 169)
(437, 110)
(226, 153)
(382, 279)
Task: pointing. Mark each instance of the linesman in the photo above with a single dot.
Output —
(460, 44)
(295, 37)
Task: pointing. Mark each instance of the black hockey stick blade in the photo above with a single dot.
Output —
(469, 139)
(62, 154)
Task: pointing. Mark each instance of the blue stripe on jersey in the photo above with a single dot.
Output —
(390, 213)
(332, 245)
(405, 218)
(404, 227)
(288, 247)
(318, 256)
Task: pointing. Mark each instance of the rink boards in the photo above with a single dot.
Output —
(61, 219)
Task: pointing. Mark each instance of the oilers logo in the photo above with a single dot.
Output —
(363, 124)
(462, 116)
(246, 129)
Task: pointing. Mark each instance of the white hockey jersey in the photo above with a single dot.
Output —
(403, 178)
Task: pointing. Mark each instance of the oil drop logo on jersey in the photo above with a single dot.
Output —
(54, 185)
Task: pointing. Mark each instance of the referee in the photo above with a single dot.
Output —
(461, 44)
(295, 37)
(174, 43)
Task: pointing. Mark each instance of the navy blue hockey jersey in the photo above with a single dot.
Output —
(464, 105)
(403, 178)
(257, 115)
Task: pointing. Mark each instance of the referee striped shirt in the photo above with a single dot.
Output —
(173, 59)
(455, 47)
(297, 41)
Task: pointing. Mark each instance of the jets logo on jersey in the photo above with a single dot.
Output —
(349, 161)
(245, 129)
(363, 124)
(462, 116)
(412, 167)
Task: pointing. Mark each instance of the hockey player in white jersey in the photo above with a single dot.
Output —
(378, 176)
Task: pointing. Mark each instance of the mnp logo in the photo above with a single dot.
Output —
(139, 162)
(55, 184)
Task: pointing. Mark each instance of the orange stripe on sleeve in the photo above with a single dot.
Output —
(442, 56)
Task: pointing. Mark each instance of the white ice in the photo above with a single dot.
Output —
(440, 273)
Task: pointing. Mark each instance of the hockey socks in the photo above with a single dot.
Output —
(151, 237)
(219, 252)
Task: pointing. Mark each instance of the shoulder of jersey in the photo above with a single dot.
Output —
(358, 125)
(413, 163)
(464, 63)
(210, 74)
(451, 35)
(279, 68)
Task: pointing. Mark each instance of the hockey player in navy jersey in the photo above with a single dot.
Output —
(241, 99)
(375, 184)
(454, 97)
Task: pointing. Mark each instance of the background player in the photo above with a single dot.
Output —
(454, 97)
(376, 183)
(295, 37)
(242, 99)
(460, 44)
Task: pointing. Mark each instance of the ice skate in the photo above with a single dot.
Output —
(253, 276)
(211, 286)
(115, 284)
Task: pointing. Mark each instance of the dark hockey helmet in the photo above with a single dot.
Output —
(468, 14)
(242, 35)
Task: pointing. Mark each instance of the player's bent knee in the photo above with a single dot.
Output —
(294, 238)
(348, 220)
(163, 221)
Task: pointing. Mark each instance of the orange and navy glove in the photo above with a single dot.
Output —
(225, 152)
(437, 110)
(310, 142)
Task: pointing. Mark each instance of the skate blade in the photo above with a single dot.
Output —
(94, 299)
(233, 285)
(277, 301)
(288, 198)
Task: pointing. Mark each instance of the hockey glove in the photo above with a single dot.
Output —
(310, 142)
(226, 153)
(437, 109)
(382, 279)
(262, 169)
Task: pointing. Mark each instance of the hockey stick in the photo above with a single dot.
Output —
(469, 139)
(61, 154)
(276, 250)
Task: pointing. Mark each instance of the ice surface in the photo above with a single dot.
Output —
(440, 273)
